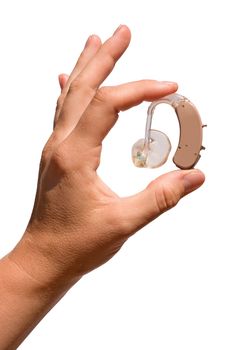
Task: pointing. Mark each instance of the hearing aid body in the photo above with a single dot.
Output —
(153, 150)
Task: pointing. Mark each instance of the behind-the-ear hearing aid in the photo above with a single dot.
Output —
(154, 149)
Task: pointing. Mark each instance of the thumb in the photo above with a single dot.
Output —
(160, 195)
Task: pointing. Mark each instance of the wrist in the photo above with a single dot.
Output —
(34, 263)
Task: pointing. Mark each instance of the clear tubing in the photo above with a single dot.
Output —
(173, 100)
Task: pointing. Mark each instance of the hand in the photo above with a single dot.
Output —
(78, 223)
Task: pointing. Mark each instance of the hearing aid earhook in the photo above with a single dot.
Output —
(154, 149)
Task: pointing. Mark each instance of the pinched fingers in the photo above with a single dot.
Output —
(101, 114)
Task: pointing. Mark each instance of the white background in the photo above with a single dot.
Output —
(183, 281)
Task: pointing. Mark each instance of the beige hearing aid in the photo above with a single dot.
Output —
(154, 149)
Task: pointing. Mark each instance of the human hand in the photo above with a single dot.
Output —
(78, 222)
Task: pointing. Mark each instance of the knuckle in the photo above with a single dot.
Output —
(48, 148)
(44, 159)
(75, 85)
(78, 85)
(45, 155)
(103, 98)
(60, 159)
(166, 197)
(59, 103)
(101, 95)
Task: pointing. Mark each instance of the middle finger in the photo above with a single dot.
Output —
(90, 49)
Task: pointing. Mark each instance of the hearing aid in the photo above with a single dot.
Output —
(154, 149)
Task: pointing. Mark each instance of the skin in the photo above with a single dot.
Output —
(78, 223)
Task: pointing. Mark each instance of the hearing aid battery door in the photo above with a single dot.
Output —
(153, 155)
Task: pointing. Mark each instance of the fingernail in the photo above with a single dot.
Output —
(167, 82)
(193, 180)
(117, 29)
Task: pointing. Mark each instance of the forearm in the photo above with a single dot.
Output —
(24, 301)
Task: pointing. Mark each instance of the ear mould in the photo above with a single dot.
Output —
(153, 150)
